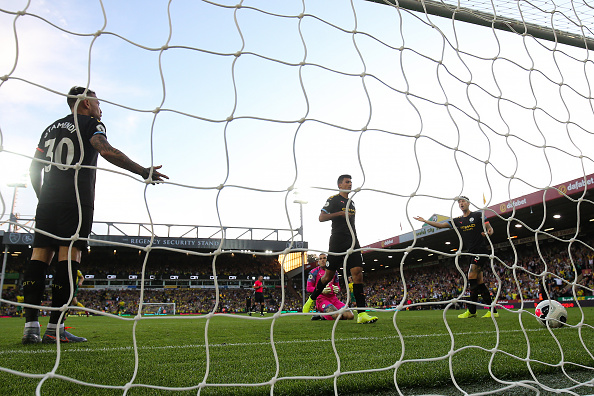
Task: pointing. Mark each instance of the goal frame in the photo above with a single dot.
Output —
(481, 18)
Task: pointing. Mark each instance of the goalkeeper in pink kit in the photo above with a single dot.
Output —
(327, 301)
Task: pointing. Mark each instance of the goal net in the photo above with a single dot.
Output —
(246, 102)
(158, 308)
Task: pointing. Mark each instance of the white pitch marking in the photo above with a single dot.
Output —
(243, 344)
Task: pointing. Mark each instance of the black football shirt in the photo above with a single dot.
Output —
(337, 203)
(470, 228)
(60, 144)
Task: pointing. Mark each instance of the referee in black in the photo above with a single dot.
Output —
(62, 174)
(338, 209)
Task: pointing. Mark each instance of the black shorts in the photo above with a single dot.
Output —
(61, 220)
(480, 261)
(340, 244)
(259, 297)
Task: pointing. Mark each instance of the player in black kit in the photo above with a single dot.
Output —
(66, 156)
(470, 226)
(338, 209)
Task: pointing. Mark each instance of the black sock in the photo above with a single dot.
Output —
(319, 288)
(33, 287)
(359, 296)
(61, 288)
(474, 293)
(484, 291)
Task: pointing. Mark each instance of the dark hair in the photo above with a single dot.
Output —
(75, 91)
(464, 198)
(342, 177)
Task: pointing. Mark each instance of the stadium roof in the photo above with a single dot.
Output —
(553, 212)
(138, 235)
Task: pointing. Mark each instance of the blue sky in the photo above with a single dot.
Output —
(229, 133)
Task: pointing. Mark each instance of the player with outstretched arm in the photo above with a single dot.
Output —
(60, 185)
(474, 240)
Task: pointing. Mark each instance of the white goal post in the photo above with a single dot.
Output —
(539, 19)
(246, 102)
(158, 308)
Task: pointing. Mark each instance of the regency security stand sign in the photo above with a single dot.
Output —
(14, 238)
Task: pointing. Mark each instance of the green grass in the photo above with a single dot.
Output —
(172, 353)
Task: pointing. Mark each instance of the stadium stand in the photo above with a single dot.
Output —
(433, 283)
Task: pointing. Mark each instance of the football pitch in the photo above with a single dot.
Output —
(292, 355)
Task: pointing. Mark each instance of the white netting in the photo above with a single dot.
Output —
(242, 102)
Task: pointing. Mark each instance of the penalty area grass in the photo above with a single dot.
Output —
(423, 351)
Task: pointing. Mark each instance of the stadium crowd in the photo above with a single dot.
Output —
(443, 281)
(512, 275)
